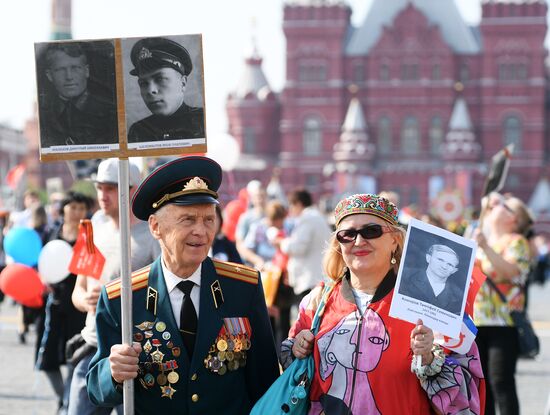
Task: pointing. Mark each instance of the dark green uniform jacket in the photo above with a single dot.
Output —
(189, 387)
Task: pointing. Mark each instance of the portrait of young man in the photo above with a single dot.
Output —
(434, 284)
(164, 89)
(76, 94)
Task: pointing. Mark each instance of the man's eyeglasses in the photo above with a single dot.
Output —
(370, 231)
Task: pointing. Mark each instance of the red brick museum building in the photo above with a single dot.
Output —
(413, 100)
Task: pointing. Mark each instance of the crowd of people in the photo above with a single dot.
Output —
(221, 295)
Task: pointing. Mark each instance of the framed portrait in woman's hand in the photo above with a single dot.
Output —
(433, 278)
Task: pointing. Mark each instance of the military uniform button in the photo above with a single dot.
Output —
(195, 397)
(194, 376)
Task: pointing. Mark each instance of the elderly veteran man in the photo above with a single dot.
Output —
(162, 67)
(202, 337)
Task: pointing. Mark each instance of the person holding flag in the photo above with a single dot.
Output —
(201, 332)
(503, 256)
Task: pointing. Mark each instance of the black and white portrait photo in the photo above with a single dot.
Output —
(434, 277)
(76, 96)
(164, 91)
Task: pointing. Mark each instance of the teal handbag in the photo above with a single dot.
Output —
(290, 392)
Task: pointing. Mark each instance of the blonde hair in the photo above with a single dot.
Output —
(524, 217)
(333, 261)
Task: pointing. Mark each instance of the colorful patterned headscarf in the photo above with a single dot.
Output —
(366, 203)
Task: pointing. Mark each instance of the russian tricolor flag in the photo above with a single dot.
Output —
(463, 344)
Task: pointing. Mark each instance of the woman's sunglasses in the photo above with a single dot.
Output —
(371, 231)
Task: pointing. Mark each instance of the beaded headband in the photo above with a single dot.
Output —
(366, 203)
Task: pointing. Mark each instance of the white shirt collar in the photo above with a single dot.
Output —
(172, 279)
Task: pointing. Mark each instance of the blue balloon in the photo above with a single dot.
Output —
(23, 245)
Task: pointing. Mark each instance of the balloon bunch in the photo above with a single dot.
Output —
(19, 279)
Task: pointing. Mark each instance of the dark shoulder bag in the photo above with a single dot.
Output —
(529, 345)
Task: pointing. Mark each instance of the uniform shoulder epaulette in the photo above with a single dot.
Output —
(236, 271)
(140, 280)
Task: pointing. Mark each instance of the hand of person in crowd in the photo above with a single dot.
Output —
(123, 361)
(92, 297)
(303, 344)
(422, 340)
(258, 262)
(273, 311)
(480, 239)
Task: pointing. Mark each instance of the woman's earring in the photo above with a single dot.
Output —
(393, 261)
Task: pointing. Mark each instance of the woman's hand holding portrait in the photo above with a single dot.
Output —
(422, 339)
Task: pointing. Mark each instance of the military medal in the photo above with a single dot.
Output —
(229, 356)
(173, 377)
(147, 347)
(170, 344)
(166, 335)
(171, 365)
(223, 370)
(161, 379)
(233, 365)
(160, 326)
(138, 337)
(157, 355)
(167, 391)
(221, 345)
(222, 355)
(176, 351)
(149, 380)
(146, 325)
(148, 334)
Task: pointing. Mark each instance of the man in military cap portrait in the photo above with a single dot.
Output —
(73, 110)
(202, 337)
(162, 67)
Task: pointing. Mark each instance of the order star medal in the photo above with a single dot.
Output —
(167, 391)
(157, 356)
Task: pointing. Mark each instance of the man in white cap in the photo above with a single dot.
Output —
(143, 250)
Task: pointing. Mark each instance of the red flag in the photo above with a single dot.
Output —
(15, 175)
(86, 260)
(478, 278)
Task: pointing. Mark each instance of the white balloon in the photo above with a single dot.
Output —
(224, 149)
(54, 260)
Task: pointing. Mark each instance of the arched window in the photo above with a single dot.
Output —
(512, 131)
(249, 140)
(436, 134)
(436, 72)
(384, 142)
(414, 196)
(313, 136)
(384, 72)
(410, 136)
(464, 73)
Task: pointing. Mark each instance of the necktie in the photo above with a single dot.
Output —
(188, 317)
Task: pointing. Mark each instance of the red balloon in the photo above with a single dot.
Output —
(232, 212)
(22, 283)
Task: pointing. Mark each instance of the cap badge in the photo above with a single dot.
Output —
(196, 183)
(144, 53)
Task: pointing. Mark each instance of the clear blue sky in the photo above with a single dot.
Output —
(227, 28)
